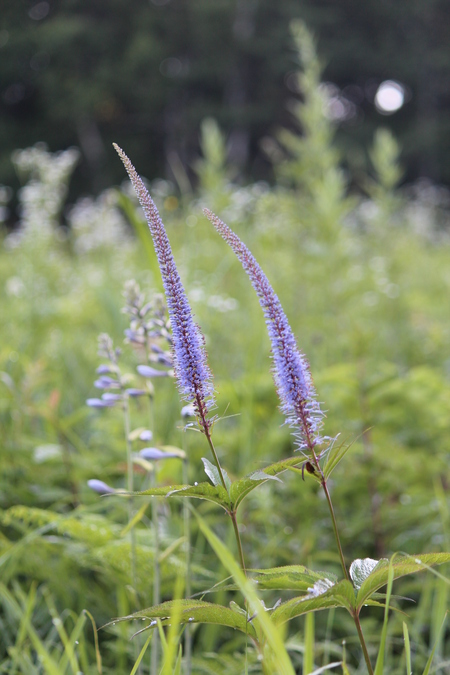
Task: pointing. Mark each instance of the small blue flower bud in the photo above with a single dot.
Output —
(100, 487)
(98, 403)
(147, 371)
(136, 392)
(106, 382)
(153, 454)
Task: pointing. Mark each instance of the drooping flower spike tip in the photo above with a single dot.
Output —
(291, 371)
(191, 368)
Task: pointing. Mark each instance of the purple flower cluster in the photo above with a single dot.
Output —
(291, 371)
(191, 368)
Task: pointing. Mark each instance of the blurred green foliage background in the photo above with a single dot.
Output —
(144, 73)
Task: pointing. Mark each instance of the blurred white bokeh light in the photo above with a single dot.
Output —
(390, 97)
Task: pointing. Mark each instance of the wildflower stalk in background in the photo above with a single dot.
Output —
(292, 379)
(149, 332)
(191, 368)
(117, 393)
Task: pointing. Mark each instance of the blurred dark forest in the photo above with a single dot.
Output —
(144, 73)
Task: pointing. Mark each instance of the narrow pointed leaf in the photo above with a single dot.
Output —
(335, 455)
(211, 493)
(407, 649)
(242, 487)
(213, 473)
(289, 577)
(141, 654)
(340, 595)
(329, 666)
(402, 565)
(193, 611)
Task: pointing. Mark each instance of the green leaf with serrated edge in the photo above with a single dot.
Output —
(289, 577)
(198, 610)
(340, 595)
(335, 455)
(402, 566)
(213, 473)
(211, 493)
(242, 487)
(262, 475)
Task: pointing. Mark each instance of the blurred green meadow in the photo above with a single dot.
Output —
(362, 269)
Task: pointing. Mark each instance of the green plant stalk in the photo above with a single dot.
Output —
(156, 576)
(238, 540)
(363, 643)
(335, 528)
(323, 482)
(130, 488)
(154, 651)
(187, 534)
(231, 512)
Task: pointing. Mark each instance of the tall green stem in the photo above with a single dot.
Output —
(344, 568)
(156, 575)
(187, 535)
(130, 488)
(335, 528)
(341, 556)
(231, 512)
(238, 539)
(363, 644)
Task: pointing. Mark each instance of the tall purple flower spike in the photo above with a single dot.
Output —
(291, 371)
(191, 368)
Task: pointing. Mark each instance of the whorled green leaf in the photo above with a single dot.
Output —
(360, 569)
(212, 493)
(290, 577)
(213, 473)
(242, 487)
(193, 611)
(341, 594)
(402, 565)
(216, 493)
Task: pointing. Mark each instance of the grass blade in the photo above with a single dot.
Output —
(308, 655)
(407, 649)
(270, 631)
(380, 659)
(430, 659)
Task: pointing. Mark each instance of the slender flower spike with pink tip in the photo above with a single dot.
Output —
(291, 371)
(191, 368)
